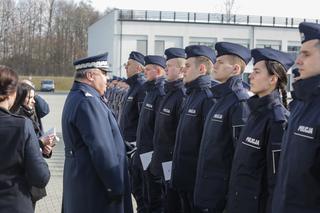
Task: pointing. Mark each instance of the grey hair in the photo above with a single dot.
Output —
(81, 74)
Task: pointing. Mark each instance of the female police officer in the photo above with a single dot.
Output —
(21, 162)
(258, 148)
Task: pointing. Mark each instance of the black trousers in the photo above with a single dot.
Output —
(172, 201)
(154, 191)
(187, 203)
(137, 183)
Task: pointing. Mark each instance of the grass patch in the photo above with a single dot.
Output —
(62, 83)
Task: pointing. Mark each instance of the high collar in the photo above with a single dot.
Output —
(264, 103)
(201, 82)
(233, 84)
(173, 85)
(133, 79)
(305, 89)
(154, 84)
(85, 88)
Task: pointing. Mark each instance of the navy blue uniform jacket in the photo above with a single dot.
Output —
(95, 169)
(131, 109)
(189, 132)
(298, 183)
(167, 119)
(221, 130)
(256, 159)
(21, 165)
(154, 92)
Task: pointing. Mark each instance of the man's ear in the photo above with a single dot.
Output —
(236, 69)
(203, 69)
(89, 76)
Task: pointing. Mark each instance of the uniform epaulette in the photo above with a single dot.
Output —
(242, 95)
(280, 113)
(86, 93)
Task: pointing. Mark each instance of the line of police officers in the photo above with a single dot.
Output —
(196, 144)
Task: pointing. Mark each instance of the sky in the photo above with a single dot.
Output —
(308, 9)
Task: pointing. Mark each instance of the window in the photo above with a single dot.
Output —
(159, 47)
(269, 43)
(209, 44)
(293, 50)
(142, 46)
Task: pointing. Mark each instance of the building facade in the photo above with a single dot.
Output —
(151, 32)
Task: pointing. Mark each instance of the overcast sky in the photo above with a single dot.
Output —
(283, 8)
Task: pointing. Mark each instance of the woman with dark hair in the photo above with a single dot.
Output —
(21, 165)
(258, 149)
(24, 105)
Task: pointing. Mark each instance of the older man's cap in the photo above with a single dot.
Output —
(98, 61)
(174, 52)
(139, 57)
(309, 31)
(227, 48)
(260, 54)
(155, 59)
(200, 50)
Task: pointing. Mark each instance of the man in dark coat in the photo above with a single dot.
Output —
(298, 182)
(130, 117)
(167, 118)
(154, 72)
(196, 76)
(95, 171)
(222, 127)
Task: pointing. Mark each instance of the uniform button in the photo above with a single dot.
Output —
(255, 197)
(109, 190)
(236, 193)
(70, 152)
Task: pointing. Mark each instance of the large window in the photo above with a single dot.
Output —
(210, 42)
(159, 46)
(142, 46)
(294, 50)
(269, 43)
(243, 42)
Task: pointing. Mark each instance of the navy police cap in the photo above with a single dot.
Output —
(98, 61)
(174, 52)
(139, 57)
(227, 48)
(260, 54)
(309, 31)
(200, 50)
(155, 59)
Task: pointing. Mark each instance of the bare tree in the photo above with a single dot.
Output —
(229, 9)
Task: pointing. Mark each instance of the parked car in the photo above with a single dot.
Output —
(47, 85)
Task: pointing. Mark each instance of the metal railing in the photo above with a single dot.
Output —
(214, 18)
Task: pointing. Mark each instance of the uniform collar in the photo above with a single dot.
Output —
(233, 84)
(305, 89)
(201, 82)
(264, 103)
(85, 88)
(173, 85)
(133, 79)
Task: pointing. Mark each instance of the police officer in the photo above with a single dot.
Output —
(167, 119)
(196, 76)
(298, 184)
(154, 72)
(130, 116)
(95, 170)
(255, 162)
(222, 127)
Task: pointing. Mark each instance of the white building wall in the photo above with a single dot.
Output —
(119, 38)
